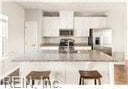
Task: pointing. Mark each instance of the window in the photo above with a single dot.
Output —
(3, 34)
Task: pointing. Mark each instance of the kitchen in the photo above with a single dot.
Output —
(77, 28)
(73, 40)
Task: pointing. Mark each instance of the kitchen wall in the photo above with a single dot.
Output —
(126, 51)
(117, 21)
(126, 36)
(0, 62)
(0, 7)
(15, 15)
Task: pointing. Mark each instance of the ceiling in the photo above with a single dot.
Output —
(73, 6)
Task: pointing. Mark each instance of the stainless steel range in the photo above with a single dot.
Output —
(67, 46)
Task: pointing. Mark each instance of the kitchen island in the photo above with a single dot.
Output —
(65, 67)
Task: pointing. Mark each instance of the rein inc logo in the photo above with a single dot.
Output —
(30, 83)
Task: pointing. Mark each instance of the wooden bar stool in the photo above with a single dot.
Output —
(89, 75)
(39, 75)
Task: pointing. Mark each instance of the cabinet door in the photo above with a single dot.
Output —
(66, 19)
(31, 31)
(98, 22)
(51, 26)
(81, 26)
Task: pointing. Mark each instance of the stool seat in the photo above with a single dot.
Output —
(89, 75)
(38, 75)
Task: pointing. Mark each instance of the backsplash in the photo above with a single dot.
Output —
(56, 40)
(81, 40)
(50, 40)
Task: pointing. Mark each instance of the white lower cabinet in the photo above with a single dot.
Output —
(68, 72)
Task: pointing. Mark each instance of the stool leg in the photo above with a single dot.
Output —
(95, 81)
(33, 82)
(99, 81)
(80, 81)
(49, 81)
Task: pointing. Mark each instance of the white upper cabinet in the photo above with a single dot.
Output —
(98, 22)
(51, 26)
(66, 19)
(81, 26)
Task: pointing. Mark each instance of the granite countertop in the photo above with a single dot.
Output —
(56, 44)
(81, 44)
(50, 44)
(55, 56)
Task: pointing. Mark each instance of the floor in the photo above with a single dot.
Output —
(120, 74)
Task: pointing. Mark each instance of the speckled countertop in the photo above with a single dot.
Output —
(56, 44)
(55, 56)
(51, 44)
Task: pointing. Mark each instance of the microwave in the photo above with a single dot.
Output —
(66, 32)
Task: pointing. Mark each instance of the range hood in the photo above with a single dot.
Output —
(66, 20)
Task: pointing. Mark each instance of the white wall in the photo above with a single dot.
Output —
(16, 17)
(35, 15)
(126, 51)
(0, 6)
(117, 21)
(0, 41)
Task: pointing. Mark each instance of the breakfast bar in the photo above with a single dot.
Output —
(65, 67)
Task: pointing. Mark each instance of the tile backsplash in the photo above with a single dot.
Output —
(81, 39)
(56, 40)
(50, 40)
